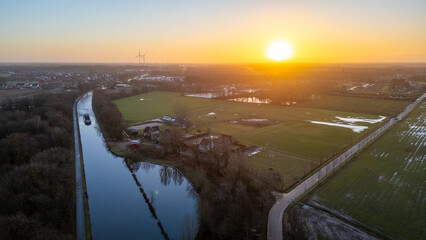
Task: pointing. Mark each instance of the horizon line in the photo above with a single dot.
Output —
(216, 63)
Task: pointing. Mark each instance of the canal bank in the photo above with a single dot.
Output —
(83, 227)
(117, 209)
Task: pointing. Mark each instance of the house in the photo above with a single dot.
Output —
(155, 136)
(206, 145)
(147, 132)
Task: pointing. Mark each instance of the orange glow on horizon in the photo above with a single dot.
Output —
(193, 33)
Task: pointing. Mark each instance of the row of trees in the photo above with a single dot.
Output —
(108, 115)
(107, 112)
(37, 176)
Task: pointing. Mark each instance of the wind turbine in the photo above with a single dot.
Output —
(141, 56)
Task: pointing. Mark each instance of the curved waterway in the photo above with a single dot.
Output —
(133, 200)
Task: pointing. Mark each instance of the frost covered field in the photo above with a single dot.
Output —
(384, 188)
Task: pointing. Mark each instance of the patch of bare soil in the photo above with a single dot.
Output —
(311, 223)
(254, 122)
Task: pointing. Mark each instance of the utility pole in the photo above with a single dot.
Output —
(271, 154)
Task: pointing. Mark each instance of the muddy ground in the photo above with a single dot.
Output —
(254, 122)
(310, 223)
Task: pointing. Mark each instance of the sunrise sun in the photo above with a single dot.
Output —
(279, 51)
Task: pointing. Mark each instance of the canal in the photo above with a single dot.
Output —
(133, 200)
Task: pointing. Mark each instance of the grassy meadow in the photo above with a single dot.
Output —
(385, 107)
(4, 75)
(11, 93)
(384, 187)
(293, 139)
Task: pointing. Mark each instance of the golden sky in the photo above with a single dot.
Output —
(212, 31)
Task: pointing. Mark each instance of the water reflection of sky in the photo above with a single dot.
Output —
(117, 208)
(251, 100)
(173, 196)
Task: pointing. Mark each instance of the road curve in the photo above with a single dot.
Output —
(275, 218)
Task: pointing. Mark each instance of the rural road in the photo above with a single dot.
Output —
(275, 218)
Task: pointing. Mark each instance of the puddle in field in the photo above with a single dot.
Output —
(252, 151)
(349, 122)
(250, 100)
(255, 120)
(356, 129)
(366, 120)
(203, 95)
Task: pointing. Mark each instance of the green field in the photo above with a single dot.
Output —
(298, 145)
(385, 107)
(11, 93)
(293, 133)
(384, 187)
(5, 75)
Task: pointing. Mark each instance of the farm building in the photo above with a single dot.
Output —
(206, 145)
(147, 132)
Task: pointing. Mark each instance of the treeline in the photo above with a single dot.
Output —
(237, 206)
(283, 84)
(287, 92)
(107, 112)
(108, 115)
(37, 173)
(233, 203)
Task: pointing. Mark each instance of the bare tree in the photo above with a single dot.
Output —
(175, 136)
(221, 153)
(181, 112)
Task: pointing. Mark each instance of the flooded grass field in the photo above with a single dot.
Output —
(384, 188)
(357, 104)
(286, 131)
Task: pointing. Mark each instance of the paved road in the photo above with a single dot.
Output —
(275, 231)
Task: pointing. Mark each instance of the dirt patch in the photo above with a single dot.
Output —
(311, 223)
(254, 122)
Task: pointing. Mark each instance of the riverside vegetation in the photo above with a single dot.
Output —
(233, 204)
